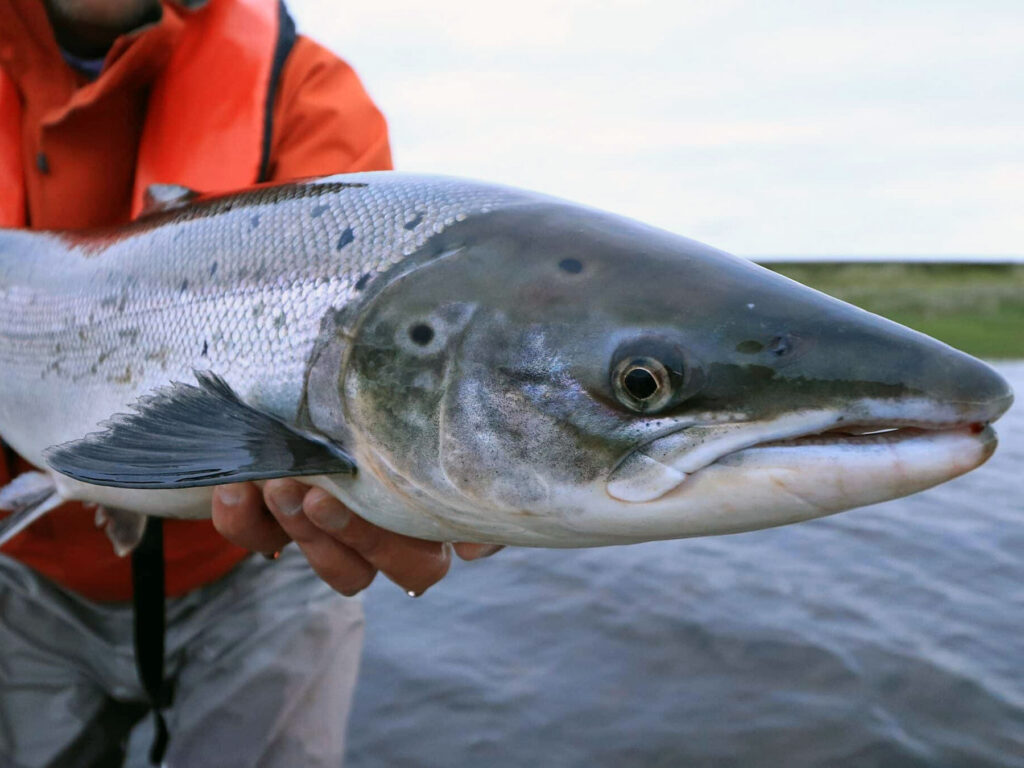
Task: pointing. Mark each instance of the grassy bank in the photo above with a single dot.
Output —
(976, 308)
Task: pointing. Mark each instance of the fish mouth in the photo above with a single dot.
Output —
(671, 461)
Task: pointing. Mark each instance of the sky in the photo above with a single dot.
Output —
(780, 127)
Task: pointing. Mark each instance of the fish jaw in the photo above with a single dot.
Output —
(806, 464)
(659, 466)
(782, 482)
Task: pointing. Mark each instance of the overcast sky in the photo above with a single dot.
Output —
(772, 127)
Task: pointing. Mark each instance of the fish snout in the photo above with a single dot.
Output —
(992, 394)
(973, 389)
(867, 357)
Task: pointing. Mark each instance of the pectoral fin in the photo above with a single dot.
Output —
(123, 528)
(184, 436)
(27, 497)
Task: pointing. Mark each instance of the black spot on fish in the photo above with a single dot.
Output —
(125, 377)
(159, 356)
(184, 285)
(257, 310)
(108, 303)
(749, 347)
(206, 349)
(362, 281)
(279, 321)
(415, 222)
(213, 269)
(421, 334)
(254, 221)
(346, 237)
(318, 210)
(131, 335)
(572, 266)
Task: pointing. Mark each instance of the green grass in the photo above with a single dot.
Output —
(978, 308)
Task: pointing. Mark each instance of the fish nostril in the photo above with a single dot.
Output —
(780, 346)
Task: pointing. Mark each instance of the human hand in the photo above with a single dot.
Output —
(345, 550)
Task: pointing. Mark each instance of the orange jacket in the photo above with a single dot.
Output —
(212, 98)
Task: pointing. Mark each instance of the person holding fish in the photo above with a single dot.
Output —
(99, 100)
(455, 360)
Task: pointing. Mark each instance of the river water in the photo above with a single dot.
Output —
(891, 635)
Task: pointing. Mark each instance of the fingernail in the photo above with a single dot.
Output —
(326, 512)
(288, 500)
(479, 551)
(411, 593)
(338, 519)
(272, 555)
(229, 495)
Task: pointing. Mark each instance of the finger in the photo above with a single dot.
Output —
(241, 517)
(415, 565)
(338, 565)
(475, 551)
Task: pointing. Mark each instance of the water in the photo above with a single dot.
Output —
(891, 635)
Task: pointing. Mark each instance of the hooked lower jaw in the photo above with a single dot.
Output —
(671, 462)
(777, 484)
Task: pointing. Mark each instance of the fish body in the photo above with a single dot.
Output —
(465, 361)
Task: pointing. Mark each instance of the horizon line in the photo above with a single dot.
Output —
(918, 258)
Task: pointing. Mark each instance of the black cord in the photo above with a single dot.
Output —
(150, 627)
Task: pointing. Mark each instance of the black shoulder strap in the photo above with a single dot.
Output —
(285, 41)
(148, 602)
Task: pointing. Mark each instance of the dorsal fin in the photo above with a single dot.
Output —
(166, 197)
(184, 436)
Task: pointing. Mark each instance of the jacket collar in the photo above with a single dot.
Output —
(30, 55)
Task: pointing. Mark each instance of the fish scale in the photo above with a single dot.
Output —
(238, 286)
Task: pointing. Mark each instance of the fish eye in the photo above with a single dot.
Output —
(648, 374)
(642, 383)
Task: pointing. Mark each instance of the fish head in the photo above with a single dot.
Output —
(553, 375)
